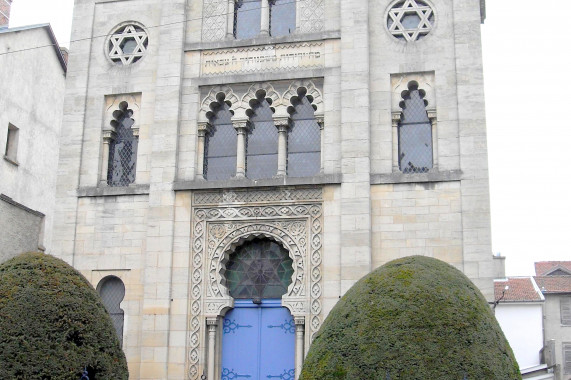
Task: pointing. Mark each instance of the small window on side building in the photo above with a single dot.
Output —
(566, 311)
(11, 152)
(567, 358)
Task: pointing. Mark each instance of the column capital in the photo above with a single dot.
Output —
(109, 135)
(241, 126)
(395, 117)
(320, 121)
(135, 131)
(299, 321)
(212, 321)
(282, 123)
(204, 127)
(431, 115)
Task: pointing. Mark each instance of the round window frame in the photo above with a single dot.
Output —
(404, 40)
(106, 50)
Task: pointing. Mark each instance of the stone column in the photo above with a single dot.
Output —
(230, 20)
(396, 120)
(203, 129)
(108, 137)
(282, 124)
(241, 128)
(434, 129)
(265, 19)
(299, 349)
(212, 323)
(321, 122)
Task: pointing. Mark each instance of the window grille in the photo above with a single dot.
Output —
(282, 17)
(415, 134)
(262, 143)
(304, 142)
(259, 269)
(247, 18)
(220, 146)
(565, 304)
(112, 292)
(122, 150)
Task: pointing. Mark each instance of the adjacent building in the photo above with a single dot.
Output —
(554, 280)
(228, 169)
(32, 85)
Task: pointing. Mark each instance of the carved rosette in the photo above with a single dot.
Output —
(218, 230)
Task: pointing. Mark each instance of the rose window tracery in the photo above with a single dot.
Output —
(127, 44)
(410, 20)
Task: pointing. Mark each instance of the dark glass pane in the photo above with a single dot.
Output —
(415, 136)
(282, 17)
(304, 142)
(247, 18)
(112, 292)
(123, 153)
(262, 144)
(259, 269)
(220, 146)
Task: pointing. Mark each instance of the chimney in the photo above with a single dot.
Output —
(5, 6)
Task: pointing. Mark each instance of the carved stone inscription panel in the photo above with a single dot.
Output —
(292, 217)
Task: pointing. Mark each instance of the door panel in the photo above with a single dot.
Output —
(258, 342)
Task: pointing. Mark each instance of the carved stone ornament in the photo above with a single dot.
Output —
(295, 222)
(410, 20)
(127, 43)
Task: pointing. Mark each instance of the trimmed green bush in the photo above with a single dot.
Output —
(53, 324)
(413, 318)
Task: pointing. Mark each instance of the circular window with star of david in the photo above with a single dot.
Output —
(127, 44)
(410, 20)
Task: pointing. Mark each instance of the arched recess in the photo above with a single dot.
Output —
(258, 92)
(307, 88)
(112, 292)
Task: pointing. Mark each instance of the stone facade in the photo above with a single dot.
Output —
(168, 234)
(32, 85)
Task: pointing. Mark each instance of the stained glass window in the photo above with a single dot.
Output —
(247, 18)
(220, 146)
(415, 135)
(122, 151)
(262, 144)
(282, 17)
(260, 269)
(304, 142)
(112, 292)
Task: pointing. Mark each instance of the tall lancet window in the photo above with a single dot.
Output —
(112, 292)
(262, 143)
(220, 145)
(247, 16)
(415, 132)
(304, 140)
(123, 148)
(282, 17)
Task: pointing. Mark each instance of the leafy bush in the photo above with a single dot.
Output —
(413, 318)
(53, 324)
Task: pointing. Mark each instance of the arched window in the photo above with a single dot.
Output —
(262, 143)
(304, 141)
(282, 17)
(123, 148)
(112, 292)
(259, 269)
(414, 132)
(247, 16)
(220, 145)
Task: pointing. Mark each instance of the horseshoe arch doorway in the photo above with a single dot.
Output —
(258, 334)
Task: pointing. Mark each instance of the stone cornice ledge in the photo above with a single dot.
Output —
(437, 176)
(323, 179)
(113, 191)
(233, 43)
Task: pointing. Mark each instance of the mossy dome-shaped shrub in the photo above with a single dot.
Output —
(53, 324)
(413, 318)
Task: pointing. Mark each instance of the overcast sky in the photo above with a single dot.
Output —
(528, 80)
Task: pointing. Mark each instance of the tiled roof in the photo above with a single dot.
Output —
(521, 289)
(544, 267)
(554, 284)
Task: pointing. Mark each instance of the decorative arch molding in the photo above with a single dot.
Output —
(301, 88)
(218, 229)
(214, 99)
(425, 82)
(256, 93)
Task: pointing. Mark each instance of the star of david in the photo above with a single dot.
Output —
(410, 21)
(261, 272)
(128, 45)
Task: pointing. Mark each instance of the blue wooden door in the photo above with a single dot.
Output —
(258, 342)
